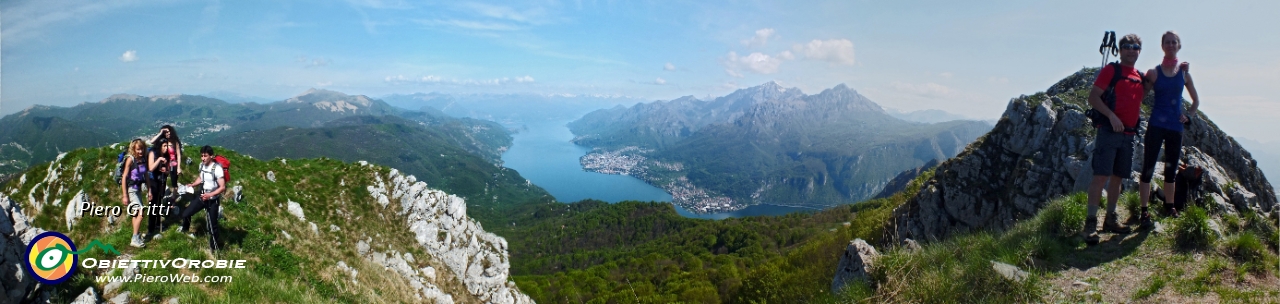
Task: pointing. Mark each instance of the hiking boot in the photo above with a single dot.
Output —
(1145, 222)
(1112, 224)
(136, 242)
(1090, 231)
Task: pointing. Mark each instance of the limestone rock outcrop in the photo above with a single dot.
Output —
(16, 233)
(440, 224)
(1040, 149)
(855, 264)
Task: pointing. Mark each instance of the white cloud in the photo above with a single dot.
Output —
(760, 39)
(669, 67)
(380, 4)
(531, 16)
(786, 55)
(754, 62)
(660, 81)
(928, 90)
(309, 62)
(470, 25)
(30, 19)
(129, 56)
(433, 79)
(324, 84)
(833, 50)
(946, 75)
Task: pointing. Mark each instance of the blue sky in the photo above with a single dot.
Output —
(965, 58)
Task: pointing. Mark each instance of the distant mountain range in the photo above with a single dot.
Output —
(929, 116)
(511, 110)
(353, 125)
(767, 144)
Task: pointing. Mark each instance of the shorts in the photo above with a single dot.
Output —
(135, 199)
(1112, 154)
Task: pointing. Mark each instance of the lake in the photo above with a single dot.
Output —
(544, 155)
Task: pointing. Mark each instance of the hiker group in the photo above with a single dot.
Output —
(1116, 98)
(148, 172)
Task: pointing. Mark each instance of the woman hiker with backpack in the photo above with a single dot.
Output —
(211, 181)
(130, 186)
(1165, 124)
(158, 164)
(174, 156)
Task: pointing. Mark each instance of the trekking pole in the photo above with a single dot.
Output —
(213, 237)
(1108, 47)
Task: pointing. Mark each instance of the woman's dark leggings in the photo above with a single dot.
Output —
(155, 221)
(1172, 141)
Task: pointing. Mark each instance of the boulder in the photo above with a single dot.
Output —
(296, 210)
(1010, 272)
(122, 298)
(72, 214)
(271, 176)
(855, 264)
(911, 245)
(88, 297)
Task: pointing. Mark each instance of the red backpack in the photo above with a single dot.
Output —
(226, 168)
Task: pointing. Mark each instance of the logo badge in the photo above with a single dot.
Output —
(52, 257)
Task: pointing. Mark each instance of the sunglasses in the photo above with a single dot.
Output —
(1130, 46)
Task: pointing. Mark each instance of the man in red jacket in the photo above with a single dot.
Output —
(1113, 146)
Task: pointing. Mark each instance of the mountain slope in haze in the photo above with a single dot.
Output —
(766, 144)
(511, 110)
(659, 124)
(41, 132)
(925, 116)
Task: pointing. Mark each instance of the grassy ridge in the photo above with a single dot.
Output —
(292, 268)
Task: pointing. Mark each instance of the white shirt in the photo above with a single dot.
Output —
(211, 175)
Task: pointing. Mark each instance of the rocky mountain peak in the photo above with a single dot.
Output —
(121, 97)
(769, 91)
(331, 100)
(1041, 149)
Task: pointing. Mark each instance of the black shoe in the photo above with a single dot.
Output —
(1112, 224)
(1146, 222)
(1090, 231)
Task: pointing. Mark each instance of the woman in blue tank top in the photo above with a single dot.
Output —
(1165, 125)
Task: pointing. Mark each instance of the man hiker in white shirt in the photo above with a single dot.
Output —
(211, 185)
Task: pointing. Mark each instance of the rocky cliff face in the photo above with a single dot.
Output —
(1041, 149)
(15, 233)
